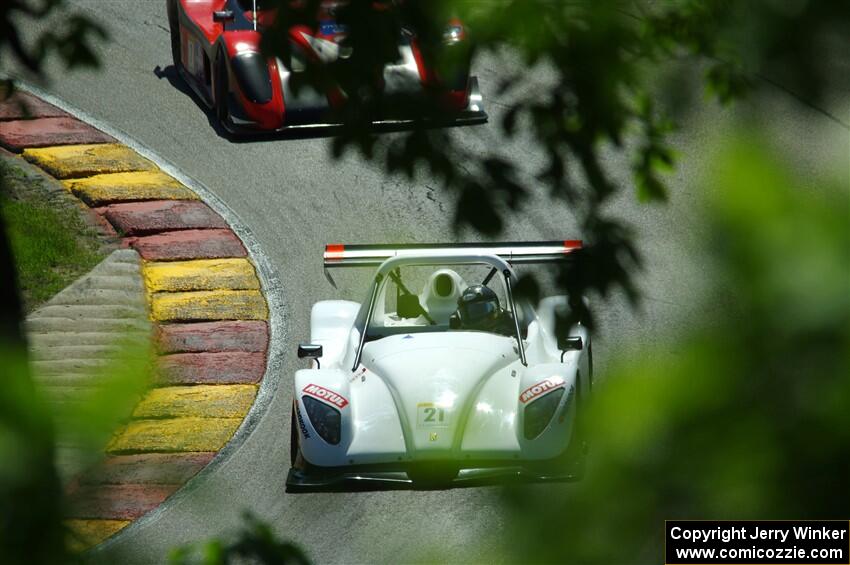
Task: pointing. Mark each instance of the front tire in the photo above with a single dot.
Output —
(222, 88)
(296, 458)
(294, 446)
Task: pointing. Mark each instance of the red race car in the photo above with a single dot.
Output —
(216, 50)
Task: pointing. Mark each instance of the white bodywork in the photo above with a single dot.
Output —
(437, 395)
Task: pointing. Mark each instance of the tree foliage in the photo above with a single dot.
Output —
(254, 542)
(748, 418)
(71, 40)
(606, 58)
(31, 529)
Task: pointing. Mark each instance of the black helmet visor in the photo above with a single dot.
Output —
(474, 311)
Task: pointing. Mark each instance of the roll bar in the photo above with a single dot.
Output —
(499, 255)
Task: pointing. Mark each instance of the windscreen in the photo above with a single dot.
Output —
(426, 298)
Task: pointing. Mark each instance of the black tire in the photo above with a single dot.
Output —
(174, 32)
(221, 88)
(572, 460)
(294, 447)
(577, 437)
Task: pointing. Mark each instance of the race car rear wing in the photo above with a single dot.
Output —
(337, 255)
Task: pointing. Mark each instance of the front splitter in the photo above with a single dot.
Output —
(464, 119)
(474, 114)
(382, 478)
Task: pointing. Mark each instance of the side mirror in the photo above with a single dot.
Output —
(570, 344)
(223, 16)
(310, 350)
(408, 306)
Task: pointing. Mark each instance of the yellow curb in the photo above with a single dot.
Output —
(83, 534)
(176, 419)
(177, 434)
(200, 274)
(204, 401)
(208, 305)
(135, 186)
(74, 161)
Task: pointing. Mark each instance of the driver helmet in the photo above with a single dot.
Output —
(478, 306)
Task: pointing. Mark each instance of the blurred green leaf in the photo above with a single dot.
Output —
(253, 543)
(747, 419)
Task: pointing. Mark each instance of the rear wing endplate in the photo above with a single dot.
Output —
(337, 255)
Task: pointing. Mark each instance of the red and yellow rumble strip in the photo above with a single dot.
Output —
(205, 301)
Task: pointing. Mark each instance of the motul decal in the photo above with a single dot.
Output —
(326, 395)
(542, 387)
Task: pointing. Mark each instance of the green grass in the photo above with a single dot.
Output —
(52, 246)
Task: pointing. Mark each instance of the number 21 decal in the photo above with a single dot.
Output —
(430, 416)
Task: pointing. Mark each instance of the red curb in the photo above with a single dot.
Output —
(148, 468)
(252, 336)
(21, 106)
(107, 228)
(189, 244)
(117, 502)
(144, 218)
(231, 367)
(126, 487)
(18, 135)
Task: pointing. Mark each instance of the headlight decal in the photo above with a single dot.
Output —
(326, 420)
(539, 413)
(252, 74)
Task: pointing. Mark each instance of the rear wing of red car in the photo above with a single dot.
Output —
(338, 255)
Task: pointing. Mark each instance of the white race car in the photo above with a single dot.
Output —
(440, 376)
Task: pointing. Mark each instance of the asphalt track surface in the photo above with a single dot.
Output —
(295, 197)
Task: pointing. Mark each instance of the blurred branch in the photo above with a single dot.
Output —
(31, 528)
(30, 492)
